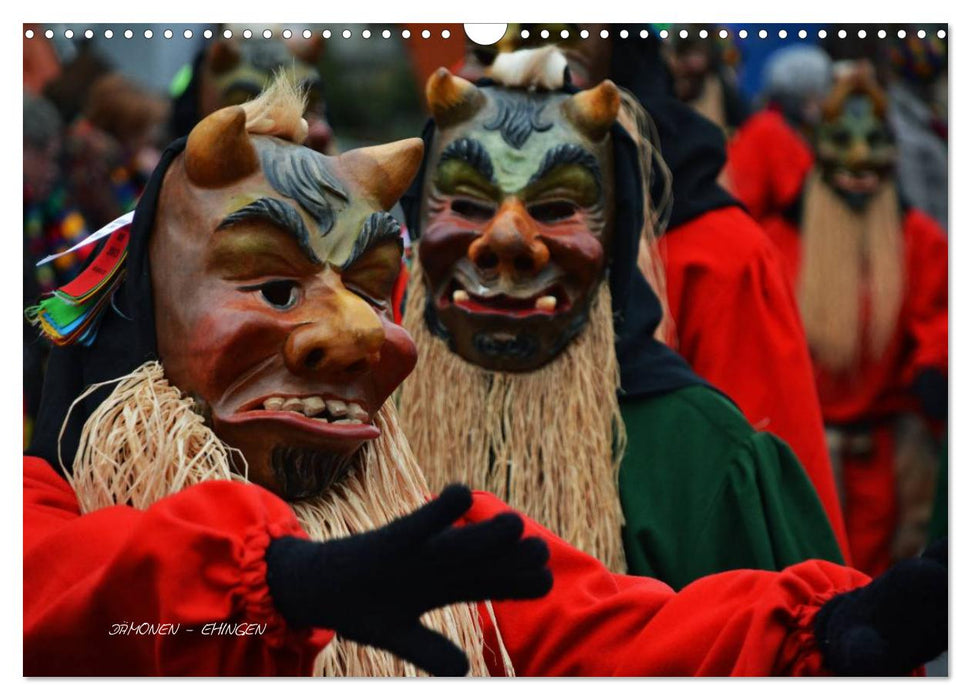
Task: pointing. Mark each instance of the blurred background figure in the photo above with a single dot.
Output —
(51, 224)
(769, 156)
(232, 71)
(918, 115)
(113, 146)
(703, 67)
(870, 274)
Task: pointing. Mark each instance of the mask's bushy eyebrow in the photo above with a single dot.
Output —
(278, 212)
(378, 228)
(568, 154)
(472, 152)
(302, 175)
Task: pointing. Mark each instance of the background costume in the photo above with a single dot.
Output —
(881, 389)
(735, 318)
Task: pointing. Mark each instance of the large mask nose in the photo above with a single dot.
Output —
(344, 342)
(509, 244)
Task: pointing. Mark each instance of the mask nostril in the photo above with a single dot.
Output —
(487, 260)
(313, 358)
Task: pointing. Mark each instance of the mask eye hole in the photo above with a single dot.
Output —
(476, 211)
(548, 212)
(280, 294)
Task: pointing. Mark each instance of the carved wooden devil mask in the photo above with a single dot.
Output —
(272, 268)
(516, 217)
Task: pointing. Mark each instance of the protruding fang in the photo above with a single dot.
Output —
(459, 295)
(547, 303)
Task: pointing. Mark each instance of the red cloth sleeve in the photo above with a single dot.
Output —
(190, 559)
(738, 326)
(925, 312)
(594, 623)
(767, 163)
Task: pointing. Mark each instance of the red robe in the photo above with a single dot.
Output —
(767, 164)
(197, 557)
(738, 326)
(881, 387)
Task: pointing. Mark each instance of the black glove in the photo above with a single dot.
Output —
(892, 625)
(930, 386)
(371, 588)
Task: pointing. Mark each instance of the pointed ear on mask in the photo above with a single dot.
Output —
(451, 99)
(219, 151)
(385, 171)
(594, 111)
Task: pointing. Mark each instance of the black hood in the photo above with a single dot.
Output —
(125, 339)
(647, 366)
(692, 147)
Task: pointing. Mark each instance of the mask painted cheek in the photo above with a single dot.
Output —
(574, 247)
(445, 240)
(226, 344)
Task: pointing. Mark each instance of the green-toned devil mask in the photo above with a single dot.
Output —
(854, 145)
(517, 215)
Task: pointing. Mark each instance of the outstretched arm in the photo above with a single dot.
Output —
(738, 623)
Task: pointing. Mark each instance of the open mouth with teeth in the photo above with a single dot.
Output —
(549, 302)
(323, 415)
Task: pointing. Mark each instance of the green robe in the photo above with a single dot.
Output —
(703, 492)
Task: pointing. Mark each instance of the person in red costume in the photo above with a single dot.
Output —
(870, 273)
(242, 502)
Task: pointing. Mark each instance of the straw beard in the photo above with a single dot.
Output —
(548, 442)
(837, 295)
(147, 441)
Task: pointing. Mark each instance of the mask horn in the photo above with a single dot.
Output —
(595, 110)
(451, 99)
(219, 150)
(385, 171)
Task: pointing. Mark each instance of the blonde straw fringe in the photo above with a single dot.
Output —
(848, 256)
(146, 441)
(548, 442)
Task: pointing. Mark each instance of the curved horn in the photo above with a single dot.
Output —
(451, 99)
(219, 150)
(595, 110)
(385, 171)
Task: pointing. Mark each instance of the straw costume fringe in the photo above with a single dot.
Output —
(548, 442)
(146, 441)
(848, 257)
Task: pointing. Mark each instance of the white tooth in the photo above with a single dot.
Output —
(273, 404)
(336, 407)
(293, 404)
(346, 421)
(459, 295)
(312, 405)
(322, 418)
(355, 411)
(547, 303)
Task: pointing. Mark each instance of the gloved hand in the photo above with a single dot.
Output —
(930, 386)
(892, 625)
(371, 588)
